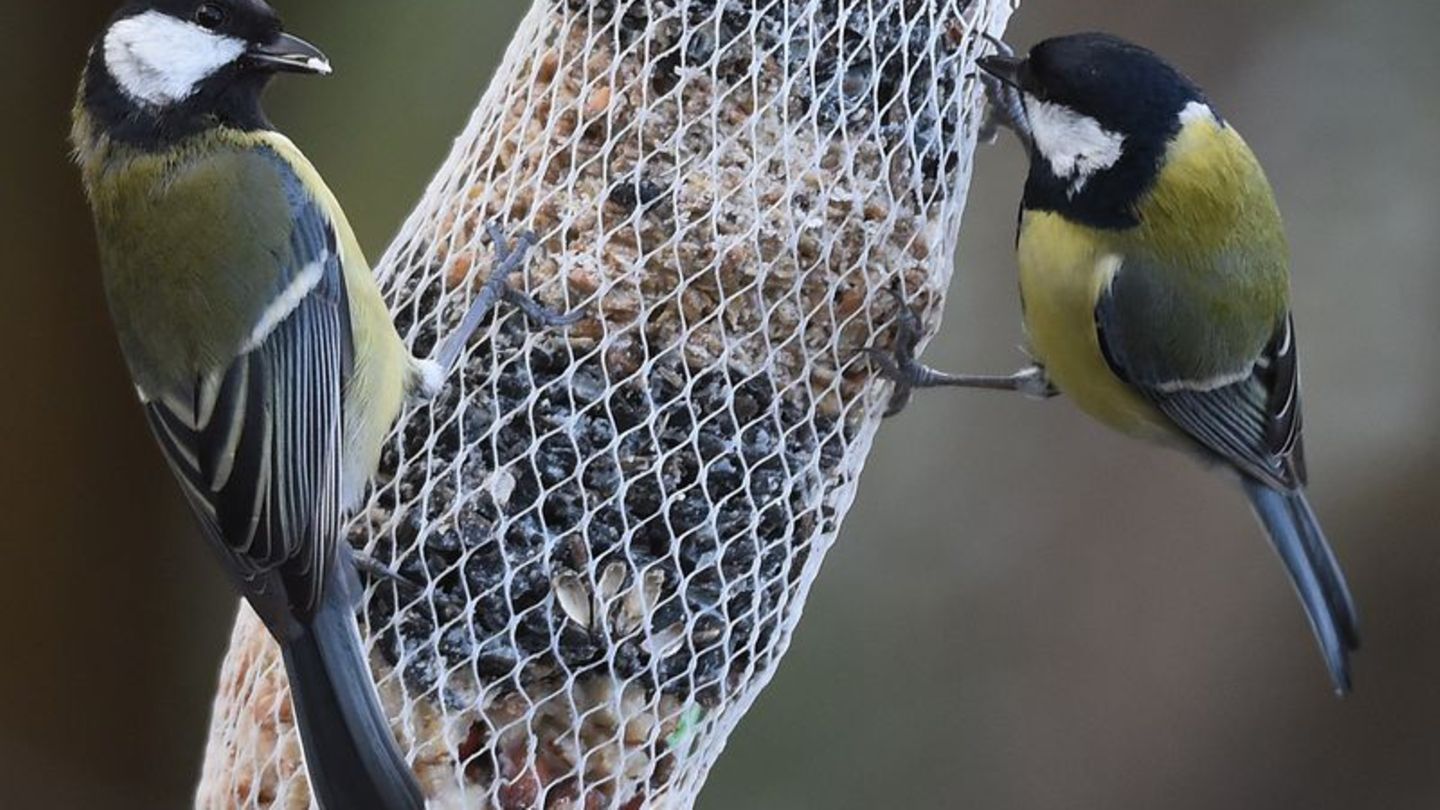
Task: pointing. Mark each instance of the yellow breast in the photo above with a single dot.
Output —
(1063, 268)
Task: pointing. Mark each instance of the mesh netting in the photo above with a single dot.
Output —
(615, 526)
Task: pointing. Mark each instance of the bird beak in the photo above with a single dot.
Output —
(1005, 68)
(290, 55)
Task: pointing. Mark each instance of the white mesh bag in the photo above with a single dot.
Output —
(614, 527)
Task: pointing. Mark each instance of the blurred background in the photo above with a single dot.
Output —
(1023, 611)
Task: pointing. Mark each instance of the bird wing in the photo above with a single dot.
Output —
(256, 445)
(1179, 339)
(1187, 357)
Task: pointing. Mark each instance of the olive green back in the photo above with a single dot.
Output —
(194, 244)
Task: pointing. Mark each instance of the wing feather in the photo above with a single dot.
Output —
(1247, 415)
(257, 445)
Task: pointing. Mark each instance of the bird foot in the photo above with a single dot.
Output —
(1004, 106)
(899, 365)
(376, 571)
(509, 260)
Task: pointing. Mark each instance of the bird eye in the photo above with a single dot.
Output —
(210, 15)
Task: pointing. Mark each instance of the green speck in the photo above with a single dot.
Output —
(685, 730)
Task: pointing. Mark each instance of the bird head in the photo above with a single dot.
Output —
(167, 68)
(1102, 112)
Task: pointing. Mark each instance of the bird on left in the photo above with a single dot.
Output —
(265, 359)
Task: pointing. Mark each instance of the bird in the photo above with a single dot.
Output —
(264, 357)
(1155, 288)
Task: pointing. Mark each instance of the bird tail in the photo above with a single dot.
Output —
(350, 754)
(1295, 532)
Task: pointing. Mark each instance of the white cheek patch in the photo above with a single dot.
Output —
(160, 60)
(1075, 145)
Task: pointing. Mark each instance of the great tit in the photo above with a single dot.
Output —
(267, 364)
(1154, 277)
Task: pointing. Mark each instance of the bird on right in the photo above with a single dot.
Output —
(1155, 286)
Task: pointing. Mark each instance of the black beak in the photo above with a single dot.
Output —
(1005, 68)
(289, 54)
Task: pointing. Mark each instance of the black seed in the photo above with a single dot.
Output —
(630, 659)
(529, 586)
(578, 647)
(636, 192)
(497, 659)
(533, 634)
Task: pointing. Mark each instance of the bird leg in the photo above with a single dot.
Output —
(900, 367)
(508, 261)
(1004, 105)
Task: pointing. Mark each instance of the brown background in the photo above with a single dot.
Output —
(1023, 612)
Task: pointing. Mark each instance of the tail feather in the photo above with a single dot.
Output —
(350, 753)
(1327, 568)
(1296, 535)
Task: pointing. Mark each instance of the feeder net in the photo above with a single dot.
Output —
(614, 526)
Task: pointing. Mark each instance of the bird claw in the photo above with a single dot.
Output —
(897, 364)
(510, 260)
(1004, 107)
(377, 571)
(538, 312)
